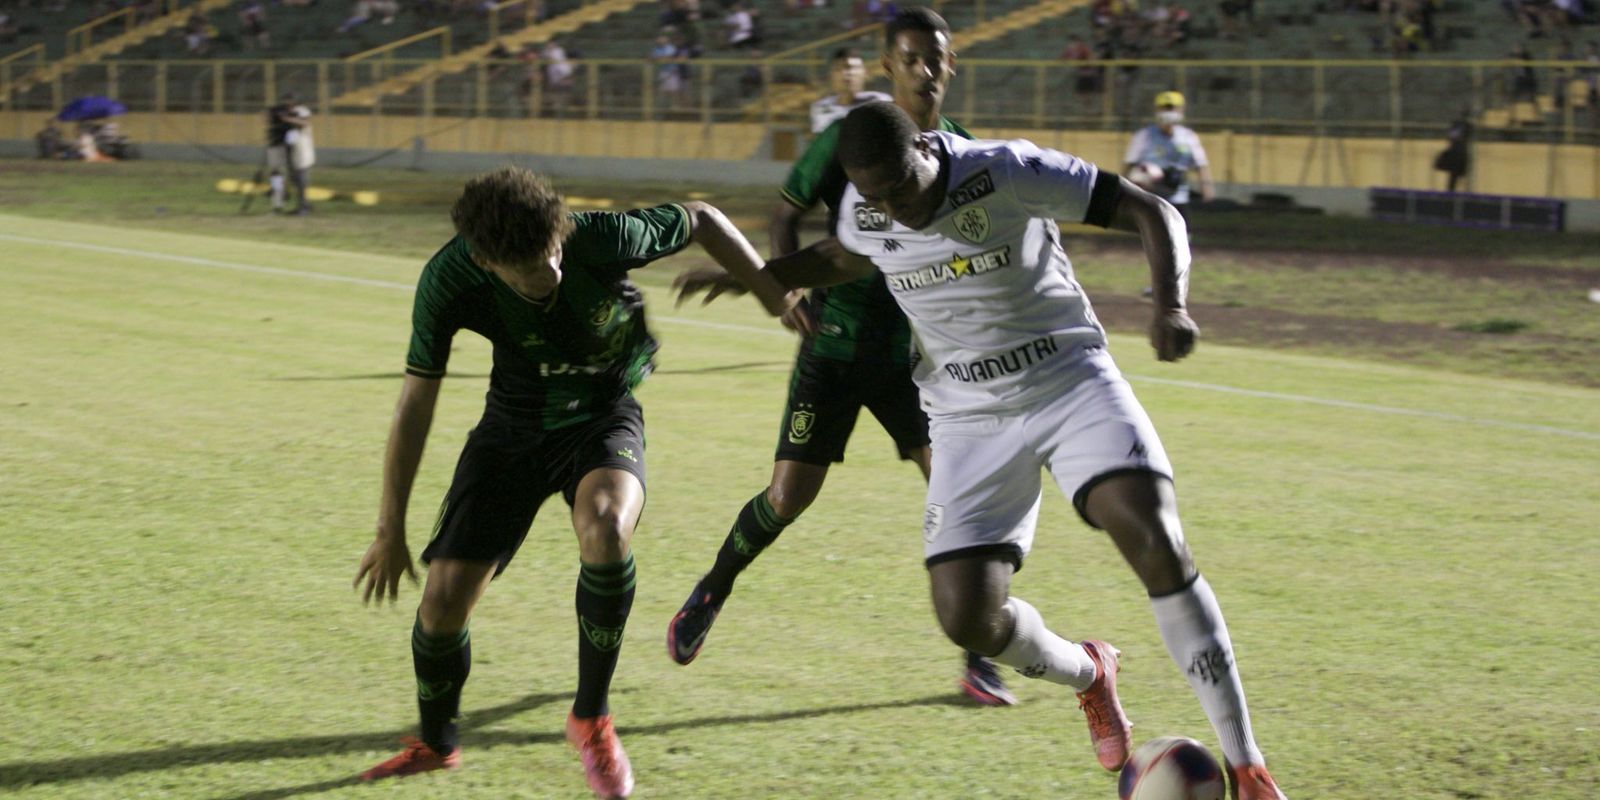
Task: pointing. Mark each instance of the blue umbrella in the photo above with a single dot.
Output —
(91, 107)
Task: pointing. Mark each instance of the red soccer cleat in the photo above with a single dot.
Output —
(417, 757)
(605, 764)
(1253, 782)
(1108, 726)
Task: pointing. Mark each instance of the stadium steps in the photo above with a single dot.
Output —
(368, 96)
(792, 98)
(116, 44)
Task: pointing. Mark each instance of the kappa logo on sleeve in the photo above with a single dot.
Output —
(973, 188)
(871, 219)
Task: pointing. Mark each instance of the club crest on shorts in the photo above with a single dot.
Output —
(801, 423)
(932, 522)
(871, 219)
(973, 224)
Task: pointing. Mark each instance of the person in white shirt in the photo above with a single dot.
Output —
(1014, 374)
(740, 24)
(1176, 150)
(847, 74)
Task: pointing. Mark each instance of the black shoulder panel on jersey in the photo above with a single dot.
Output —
(1103, 201)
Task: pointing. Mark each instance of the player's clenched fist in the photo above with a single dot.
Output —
(1173, 334)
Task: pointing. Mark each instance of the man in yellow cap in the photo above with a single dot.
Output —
(1163, 157)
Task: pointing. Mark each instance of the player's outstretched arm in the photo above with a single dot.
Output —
(824, 263)
(734, 253)
(388, 557)
(1166, 245)
(783, 234)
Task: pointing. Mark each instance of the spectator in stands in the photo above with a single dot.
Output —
(1175, 149)
(684, 17)
(847, 75)
(1524, 81)
(198, 34)
(671, 80)
(1591, 77)
(559, 76)
(360, 13)
(1089, 77)
(50, 142)
(253, 25)
(8, 29)
(740, 27)
(867, 12)
(1455, 160)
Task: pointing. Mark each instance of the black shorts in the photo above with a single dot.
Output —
(506, 472)
(826, 395)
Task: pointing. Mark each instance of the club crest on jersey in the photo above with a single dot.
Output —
(973, 224)
(955, 269)
(871, 219)
(602, 315)
(979, 185)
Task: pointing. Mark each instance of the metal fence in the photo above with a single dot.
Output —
(1382, 99)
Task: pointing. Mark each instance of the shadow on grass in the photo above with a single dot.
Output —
(16, 775)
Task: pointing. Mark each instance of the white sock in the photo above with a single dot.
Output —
(1037, 653)
(277, 190)
(1197, 638)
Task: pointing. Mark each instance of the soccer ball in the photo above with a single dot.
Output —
(1146, 176)
(1171, 768)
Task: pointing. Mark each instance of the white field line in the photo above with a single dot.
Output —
(774, 331)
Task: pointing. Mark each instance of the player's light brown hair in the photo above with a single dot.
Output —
(511, 217)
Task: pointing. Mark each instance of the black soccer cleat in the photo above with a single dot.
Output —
(686, 634)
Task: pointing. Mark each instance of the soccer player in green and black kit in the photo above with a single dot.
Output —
(855, 352)
(549, 289)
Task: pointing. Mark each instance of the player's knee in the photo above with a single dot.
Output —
(603, 537)
(1157, 552)
(978, 630)
(789, 499)
(442, 613)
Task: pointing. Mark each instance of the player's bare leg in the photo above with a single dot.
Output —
(980, 680)
(1140, 512)
(971, 597)
(605, 511)
(441, 651)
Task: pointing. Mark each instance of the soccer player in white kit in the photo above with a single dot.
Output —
(1014, 374)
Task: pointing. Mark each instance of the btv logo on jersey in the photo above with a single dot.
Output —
(871, 219)
(953, 270)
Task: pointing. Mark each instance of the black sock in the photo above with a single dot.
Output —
(755, 529)
(605, 596)
(442, 663)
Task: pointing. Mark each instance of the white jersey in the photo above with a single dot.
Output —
(998, 319)
(828, 109)
(1180, 154)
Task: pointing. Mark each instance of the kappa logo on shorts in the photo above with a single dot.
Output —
(932, 522)
(871, 219)
(973, 224)
(627, 452)
(801, 424)
(977, 186)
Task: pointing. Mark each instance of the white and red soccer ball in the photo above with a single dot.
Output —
(1171, 768)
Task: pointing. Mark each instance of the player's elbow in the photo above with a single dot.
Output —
(703, 216)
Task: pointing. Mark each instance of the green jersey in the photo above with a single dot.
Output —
(860, 317)
(563, 360)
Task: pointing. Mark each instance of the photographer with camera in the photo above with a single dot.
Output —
(1162, 156)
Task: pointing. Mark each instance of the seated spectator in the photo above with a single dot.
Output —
(49, 142)
(740, 27)
(671, 83)
(1089, 77)
(253, 25)
(198, 33)
(559, 75)
(360, 13)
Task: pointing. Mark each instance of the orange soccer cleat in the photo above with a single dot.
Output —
(1253, 782)
(417, 757)
(605, 764)
(1108, 726)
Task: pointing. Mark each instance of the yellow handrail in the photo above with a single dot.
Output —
(36, 50)
(529, 9)
(24, 53)
(820, 43)
(443, 32)
(79, 38)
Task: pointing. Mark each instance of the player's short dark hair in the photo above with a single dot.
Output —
(844, 54)
(876, 133)
(917, 20)
(511, 217)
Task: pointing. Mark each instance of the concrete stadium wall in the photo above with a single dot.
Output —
(1332, 174)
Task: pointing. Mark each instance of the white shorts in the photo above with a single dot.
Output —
(983, 493)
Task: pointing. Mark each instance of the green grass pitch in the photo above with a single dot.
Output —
(189, 464)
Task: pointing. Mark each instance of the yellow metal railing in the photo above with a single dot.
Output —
(10, 68)
(387, 50)
(529, 9)
(81, 38)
